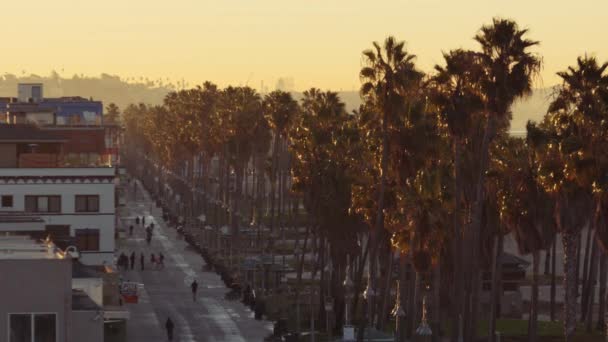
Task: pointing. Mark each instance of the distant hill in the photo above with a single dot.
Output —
(110, 88)
(107, 88)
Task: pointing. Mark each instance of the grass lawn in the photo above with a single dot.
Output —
(516, 330)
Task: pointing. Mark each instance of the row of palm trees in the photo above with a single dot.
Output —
(424, 169)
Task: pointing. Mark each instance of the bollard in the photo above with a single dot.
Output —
(497, 336)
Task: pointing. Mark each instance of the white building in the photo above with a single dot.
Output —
(74, 202)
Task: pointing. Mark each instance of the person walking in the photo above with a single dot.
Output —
(131, 230)
(121, 261)
(152, 259)
(143, 220)
(161, 260)
(169, 327)
(137, 220)
(141, 261)
(194, 287)
(132, 259)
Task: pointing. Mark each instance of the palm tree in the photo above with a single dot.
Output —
(574, 128)
(525, 208)
(508, 68)
(320, 142)
(456, 93)
(279, 110)
(242, 110)
(112, 114)
(388, 76)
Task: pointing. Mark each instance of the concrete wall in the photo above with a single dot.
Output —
(22, 291)
(104, 220)
(87, 326)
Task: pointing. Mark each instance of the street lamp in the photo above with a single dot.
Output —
(348, 330)
(399, 315)
(424, 329)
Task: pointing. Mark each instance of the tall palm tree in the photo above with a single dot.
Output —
(279, 110)
(526, 209)
(456, 92)
(242, 111)
(574, 155)
(318, 141)
(388, 76)
(508, 70)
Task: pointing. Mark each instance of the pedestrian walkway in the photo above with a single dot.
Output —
(167, 291)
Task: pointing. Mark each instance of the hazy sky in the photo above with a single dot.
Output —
(316, 42)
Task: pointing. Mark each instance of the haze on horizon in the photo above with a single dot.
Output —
(314, 42)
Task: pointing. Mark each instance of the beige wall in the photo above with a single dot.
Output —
(8, 155)
(36, 285)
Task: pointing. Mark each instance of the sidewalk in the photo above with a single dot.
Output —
(167, 292)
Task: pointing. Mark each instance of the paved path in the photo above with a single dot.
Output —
(167, 292)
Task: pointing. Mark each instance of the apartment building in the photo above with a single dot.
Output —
(41, 195)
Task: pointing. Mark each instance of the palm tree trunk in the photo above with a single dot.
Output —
(585, 296)
(379, 225)
(570, 241)
(436, 309)
(602, 295)
(386, 291)
(458, 275)
(299, 277)
(579, 247)
(553, 280)
(547, 270)
(273, 181)
(593, 265)
(495, 295)
(533, 319)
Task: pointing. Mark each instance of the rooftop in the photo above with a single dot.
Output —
(24, 248)
(102, 171)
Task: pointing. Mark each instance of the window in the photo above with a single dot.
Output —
(33, 327)
(87, 203)
(43, 204)
(87, 239)
(7, 201)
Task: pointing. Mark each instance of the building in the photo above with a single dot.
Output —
(41, 194)
(49, 310)
(90, 140)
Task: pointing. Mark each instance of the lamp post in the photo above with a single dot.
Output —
(399, 315)
(424, 329)
(328, 308)
(348, 330)
(368, 295)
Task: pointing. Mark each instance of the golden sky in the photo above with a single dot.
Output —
(315, 42)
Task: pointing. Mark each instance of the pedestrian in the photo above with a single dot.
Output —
(121, 261)
(143, 220)
(132, 260)
(169, 327)
(131, 230)
(149, 237)
(152, 258)
(194, 287)
(137, 220)
(141, 261)
(161, 260)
